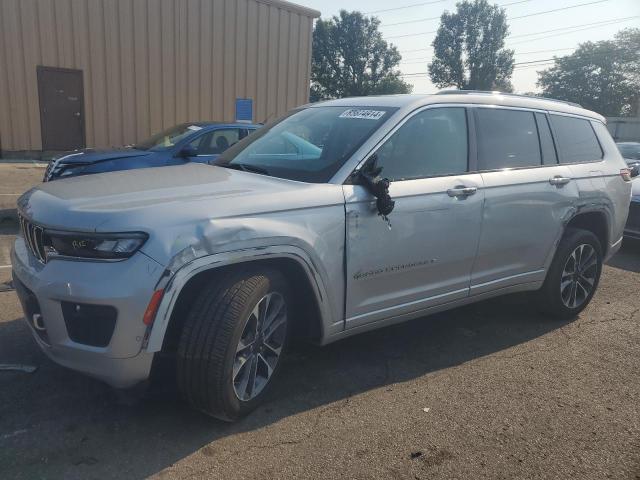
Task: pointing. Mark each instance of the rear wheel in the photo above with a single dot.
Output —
(573, 275)
(232, 343)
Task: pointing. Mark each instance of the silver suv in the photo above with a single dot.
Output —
(341, 217)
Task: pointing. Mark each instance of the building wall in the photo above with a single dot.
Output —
(150, 64)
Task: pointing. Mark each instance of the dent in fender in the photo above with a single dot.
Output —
(172, 283)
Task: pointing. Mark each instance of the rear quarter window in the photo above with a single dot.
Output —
(575, 139)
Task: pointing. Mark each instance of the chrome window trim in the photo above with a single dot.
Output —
(472, 138)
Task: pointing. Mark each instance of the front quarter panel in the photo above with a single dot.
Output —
(313, 237)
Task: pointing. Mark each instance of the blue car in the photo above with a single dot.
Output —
(199, 142)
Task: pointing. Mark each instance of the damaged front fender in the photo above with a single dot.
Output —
(173, 283)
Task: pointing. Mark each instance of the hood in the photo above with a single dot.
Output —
(150, 198)
(89, 156)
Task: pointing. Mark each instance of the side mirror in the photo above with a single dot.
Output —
(369, 177)
(187, 151)
(634, 169)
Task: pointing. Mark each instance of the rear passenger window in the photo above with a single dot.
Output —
(431, 143)
(576, 140)
(546, 140)
(507, 139)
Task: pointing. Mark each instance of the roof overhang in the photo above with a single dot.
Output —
(292, 7)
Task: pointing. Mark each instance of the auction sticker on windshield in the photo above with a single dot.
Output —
(366, 114)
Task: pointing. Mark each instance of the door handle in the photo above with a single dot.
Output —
(558, 181)
(461, 191)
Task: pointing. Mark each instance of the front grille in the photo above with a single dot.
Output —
(47, 172)
(53, 170)
(34, 238)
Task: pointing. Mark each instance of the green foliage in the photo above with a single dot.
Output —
(469, 48)
(350, 58)
(601, 76)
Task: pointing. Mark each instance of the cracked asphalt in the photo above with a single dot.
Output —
(493, 390)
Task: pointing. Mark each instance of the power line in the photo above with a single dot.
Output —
(570, 27)
(545, 51)
(405, 6)
(557, 9)
(508, 18)
(421, 4)
(516, 53)
(512, 3)
(410, 34)
(600, 24)
(411, 21)
(539, 62)
(590, 25)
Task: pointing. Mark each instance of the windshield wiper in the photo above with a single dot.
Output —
(244, 167)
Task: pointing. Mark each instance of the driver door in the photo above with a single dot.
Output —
(424, 257)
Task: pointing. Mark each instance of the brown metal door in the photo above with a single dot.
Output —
(61, 108)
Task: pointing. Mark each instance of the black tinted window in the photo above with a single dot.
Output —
(431, 143)
(575, 139)
(507, 139)
(546, 140)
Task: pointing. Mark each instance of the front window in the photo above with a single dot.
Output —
(168, 138)
(216, 142)
(431, 143)
(308, 145)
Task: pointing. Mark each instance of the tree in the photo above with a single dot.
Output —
(350, 58)
(602, 76)
(469, 48)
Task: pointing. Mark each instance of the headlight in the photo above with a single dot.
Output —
(108, 246)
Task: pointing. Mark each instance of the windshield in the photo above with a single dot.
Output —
(630, 151)
(168, 138)
(308, 145)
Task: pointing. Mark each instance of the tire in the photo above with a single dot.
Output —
(225, 312)
(556, 297)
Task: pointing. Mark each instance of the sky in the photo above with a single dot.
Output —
(538, 36)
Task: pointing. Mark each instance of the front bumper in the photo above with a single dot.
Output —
(632, 228)
(125, 286)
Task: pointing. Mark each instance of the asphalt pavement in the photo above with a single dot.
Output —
(493, 390)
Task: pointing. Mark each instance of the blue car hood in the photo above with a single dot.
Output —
(90, 156)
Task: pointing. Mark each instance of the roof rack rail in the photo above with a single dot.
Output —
(489, 92)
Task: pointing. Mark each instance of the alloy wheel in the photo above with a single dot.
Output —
(260, 346)
(579, 276)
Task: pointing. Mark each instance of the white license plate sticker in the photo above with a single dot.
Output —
(365, 114)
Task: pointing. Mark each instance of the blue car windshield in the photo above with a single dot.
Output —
(308, 145)
(168, 138)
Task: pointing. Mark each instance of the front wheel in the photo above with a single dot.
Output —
(231, 346)
(573, 276)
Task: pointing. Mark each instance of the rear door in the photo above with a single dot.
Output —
(528, 194)
(424, 257)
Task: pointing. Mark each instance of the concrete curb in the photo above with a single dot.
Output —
(37, 163)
